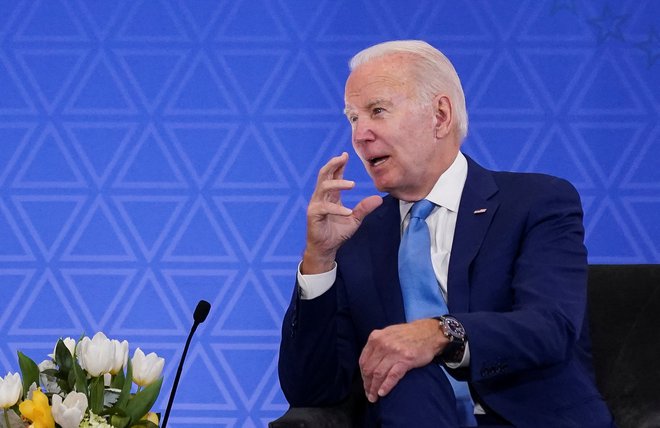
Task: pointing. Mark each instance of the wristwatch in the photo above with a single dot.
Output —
(454, 331)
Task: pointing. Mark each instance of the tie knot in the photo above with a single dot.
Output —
(421, 209)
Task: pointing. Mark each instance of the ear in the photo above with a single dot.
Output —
(444, 118)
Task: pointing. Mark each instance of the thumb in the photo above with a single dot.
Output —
(366, 206)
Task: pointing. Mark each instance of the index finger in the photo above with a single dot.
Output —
(334, 169)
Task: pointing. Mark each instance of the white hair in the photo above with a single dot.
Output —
(433, 71)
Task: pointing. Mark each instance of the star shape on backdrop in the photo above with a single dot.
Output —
(608, 25)
(558, 5)
(651, 47)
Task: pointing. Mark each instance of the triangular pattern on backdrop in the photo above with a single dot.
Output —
(201, 146)
(504, 89)
(202, 15)
(51, 20)
(253, 73)
(189, 286)
(249, 361)
(643, 214)
(98, 238)
(100, 145)
(249, 311)
(201, 91)
(14, 138)
(281, 282)
(351, 21)
(451, 20)
(621, 139)
(250, 219)
(14, 248)
(14, 284)
(554, 25)
(615, 245)
(293, 228)
(14, 98)
(150, 165)
(275, 399)
(49, 164)
(313, 97)
(250, 21)
(51, 71)
(251, 165)
(203, 384)
(150, 218)
(100, 91)
(607, 90)
(151, 72)
(644, 171)
(151, 21)
(303, 15)
(403, 21)
(505, 145)
(99, 294)
(136, 318)
(199, 239)
(334, 63)
(506, 16)
(47, 297)
(556, 155)
(557, 73)
(48, 218)
(469, 64)
(302, 146)
(103, 15)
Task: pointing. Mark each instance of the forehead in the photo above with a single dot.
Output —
(382, 78)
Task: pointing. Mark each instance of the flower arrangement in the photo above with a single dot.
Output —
(83, 384)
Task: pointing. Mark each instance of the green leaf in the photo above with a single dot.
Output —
(142, 402)
(118, 380)
(29, 371)
(96, 395)
(126, 387)
(63, 357)
(80, 378)
(119, 421)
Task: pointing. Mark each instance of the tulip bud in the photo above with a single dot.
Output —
(120, 356)
(70, 412)
(146, 369)
(96, 355)
(11, 388)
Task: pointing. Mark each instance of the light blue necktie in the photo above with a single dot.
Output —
(421, 293)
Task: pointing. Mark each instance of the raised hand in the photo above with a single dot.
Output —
(329, 223)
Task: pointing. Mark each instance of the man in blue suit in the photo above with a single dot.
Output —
(507, 256)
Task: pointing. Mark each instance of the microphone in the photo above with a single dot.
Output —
(201, 312)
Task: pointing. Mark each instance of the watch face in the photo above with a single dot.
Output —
(454, 328)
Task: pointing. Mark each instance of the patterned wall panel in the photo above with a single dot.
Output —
(158, 152)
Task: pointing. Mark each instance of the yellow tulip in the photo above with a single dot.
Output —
(37, 410)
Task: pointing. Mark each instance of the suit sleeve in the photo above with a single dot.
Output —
(317, 353)
(542, 295)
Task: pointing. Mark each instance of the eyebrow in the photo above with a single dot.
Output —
(371, 104)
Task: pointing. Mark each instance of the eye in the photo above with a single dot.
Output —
(352, 118)
(377, 110)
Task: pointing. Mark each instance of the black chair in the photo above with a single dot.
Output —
(624, 319)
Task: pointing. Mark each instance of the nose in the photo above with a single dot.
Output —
(363, 131)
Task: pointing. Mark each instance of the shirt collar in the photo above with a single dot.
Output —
(447, 190)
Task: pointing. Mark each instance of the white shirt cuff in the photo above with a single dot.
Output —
(312, 286)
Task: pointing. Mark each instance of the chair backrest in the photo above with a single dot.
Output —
(624, 319)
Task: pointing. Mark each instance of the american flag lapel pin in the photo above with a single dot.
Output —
(480, 211)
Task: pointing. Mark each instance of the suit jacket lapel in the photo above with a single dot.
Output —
(477, 208)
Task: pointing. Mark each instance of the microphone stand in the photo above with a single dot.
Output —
(201, 312)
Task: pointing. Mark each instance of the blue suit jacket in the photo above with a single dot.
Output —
(517, 282)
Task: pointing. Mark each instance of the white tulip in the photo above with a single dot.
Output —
(70, 412)
(96, 355)
(11, 388)
(48, 382)
(146, 369)
(120, 356)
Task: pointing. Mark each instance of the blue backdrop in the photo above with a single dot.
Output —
(153, 153)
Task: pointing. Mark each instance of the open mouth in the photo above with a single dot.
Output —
(378, 160)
